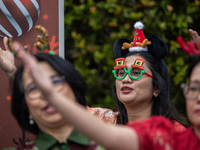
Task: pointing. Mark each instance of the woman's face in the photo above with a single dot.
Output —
(193, 106)
(44, 114)
(135, 92)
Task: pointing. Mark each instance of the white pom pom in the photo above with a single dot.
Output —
(138, 25)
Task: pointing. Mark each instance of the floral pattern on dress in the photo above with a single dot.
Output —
(104, 114)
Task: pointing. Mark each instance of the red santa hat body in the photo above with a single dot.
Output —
(138, 37)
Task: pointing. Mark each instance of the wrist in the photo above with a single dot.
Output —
(12, 73)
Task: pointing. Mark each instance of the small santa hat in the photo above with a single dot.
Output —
(138, 37)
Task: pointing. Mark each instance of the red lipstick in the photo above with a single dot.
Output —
(49, 110)
(198, 111)
(126, 89)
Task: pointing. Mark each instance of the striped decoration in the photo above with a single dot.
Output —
(18, 16)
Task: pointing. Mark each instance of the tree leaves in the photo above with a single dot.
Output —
(92, 27)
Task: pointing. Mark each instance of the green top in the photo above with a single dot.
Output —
(45, 141)
(76, 140)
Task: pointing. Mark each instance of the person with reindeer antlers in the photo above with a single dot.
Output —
(142, 86)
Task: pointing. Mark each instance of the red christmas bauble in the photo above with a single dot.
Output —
(18, 17)
(46, 51)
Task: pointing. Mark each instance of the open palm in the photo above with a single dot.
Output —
(7, 61)
(195, 36)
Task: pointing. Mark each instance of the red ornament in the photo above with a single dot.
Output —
(18, 17)
(46, 51)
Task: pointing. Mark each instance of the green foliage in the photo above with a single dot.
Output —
(92, 27)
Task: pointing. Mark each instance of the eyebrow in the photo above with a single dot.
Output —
(54, 75)
(195, 81)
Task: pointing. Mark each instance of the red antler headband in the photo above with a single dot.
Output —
(189, 46)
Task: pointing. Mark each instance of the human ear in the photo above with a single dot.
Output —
(156, 92)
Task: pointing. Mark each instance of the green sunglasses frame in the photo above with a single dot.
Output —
(129, 73)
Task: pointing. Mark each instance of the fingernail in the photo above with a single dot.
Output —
(16, 48)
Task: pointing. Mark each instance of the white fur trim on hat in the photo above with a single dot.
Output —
(138, 25)
(137, 49)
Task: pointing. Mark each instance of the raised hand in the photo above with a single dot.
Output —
(195, 36)
(31, 66)
(7, 61)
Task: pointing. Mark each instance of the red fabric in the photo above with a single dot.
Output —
(139, 37)
(159, 133)
(178, 126)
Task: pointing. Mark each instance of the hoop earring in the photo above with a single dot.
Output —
(31, 122)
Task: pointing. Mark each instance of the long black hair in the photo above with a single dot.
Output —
(63, 67)
(193, 64)
(162, 104)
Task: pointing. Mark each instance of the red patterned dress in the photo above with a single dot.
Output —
(159, 133)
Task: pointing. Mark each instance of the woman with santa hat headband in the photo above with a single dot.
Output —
(142, 85)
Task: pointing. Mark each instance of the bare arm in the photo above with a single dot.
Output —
(7, 61)
(119, 137)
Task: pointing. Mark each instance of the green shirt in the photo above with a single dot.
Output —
(75, 141)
